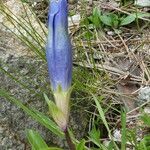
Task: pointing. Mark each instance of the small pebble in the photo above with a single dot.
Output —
(111, 33)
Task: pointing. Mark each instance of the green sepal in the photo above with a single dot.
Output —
(56, 113)
(62, 100)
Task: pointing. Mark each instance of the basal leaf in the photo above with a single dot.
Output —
(127, 20)
(106, 19)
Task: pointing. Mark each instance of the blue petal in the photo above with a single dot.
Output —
(59, 53)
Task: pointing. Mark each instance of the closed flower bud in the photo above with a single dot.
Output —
(59, 55)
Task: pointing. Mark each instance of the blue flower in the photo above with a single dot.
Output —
(58, 50)
(59, 59)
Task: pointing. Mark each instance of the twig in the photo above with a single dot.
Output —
(110, 69)
(137, 108)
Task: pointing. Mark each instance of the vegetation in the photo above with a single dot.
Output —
(108, 44)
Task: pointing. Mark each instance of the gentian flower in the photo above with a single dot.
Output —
(59, 57)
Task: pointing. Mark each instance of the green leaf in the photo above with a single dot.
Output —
(123, 132)
(110, 146)
(41, 118)
(81, 145)
(127, 20)
(141, 15)
(96, 12)
(36, 140)
(144, 143)
(95, 136)
(130, 18)
(146, 119)
(48, 122)
(106, 19)
(56, 113)
(102, 115)
(96, 17)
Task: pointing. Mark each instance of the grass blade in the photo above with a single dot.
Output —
(102, 115)
(36, 140)
(123, 132)
(44, 120)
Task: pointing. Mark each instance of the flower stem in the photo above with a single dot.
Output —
(69, 141)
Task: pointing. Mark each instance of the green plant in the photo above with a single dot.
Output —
(95, 18)
(113, 20)
(37, 142)
(144, 144)
(146, 119)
